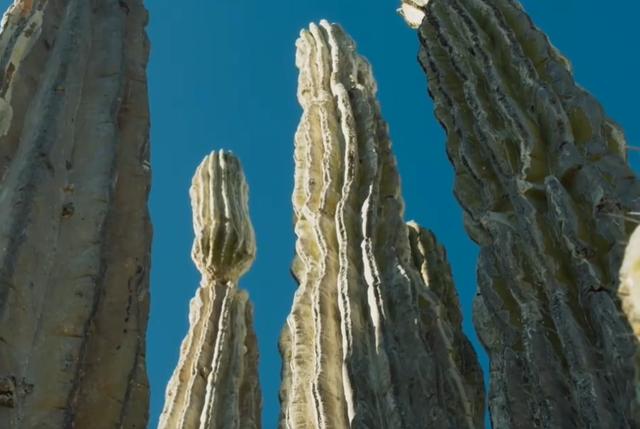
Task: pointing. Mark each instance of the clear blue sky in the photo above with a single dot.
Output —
(222, 75)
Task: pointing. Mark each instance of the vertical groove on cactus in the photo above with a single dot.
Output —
(75, 233)
(374, 337)
(215, 385)
(542, 177)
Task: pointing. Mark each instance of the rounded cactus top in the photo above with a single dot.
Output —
(224, 247)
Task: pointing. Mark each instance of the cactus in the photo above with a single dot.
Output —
(374, 337)
(75, 233)
(215, 384)
(542, 177)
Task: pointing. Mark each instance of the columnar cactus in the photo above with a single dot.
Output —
(75, 233)
(215, 385)
(542, 177)
(374, 336)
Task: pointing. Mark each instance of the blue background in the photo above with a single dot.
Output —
(222, 75)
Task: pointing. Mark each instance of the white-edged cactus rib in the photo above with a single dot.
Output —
(374, 336)
(542, 177)
(75, 233)
(215, 385)
(629, 293)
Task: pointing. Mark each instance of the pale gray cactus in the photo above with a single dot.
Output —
(215, 385)
(74, 232)
(374, 337)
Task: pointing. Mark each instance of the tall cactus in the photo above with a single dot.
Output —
(374, 336)
(75, 233)
(215, 385)
(542, 177)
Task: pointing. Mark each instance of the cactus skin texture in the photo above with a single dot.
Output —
(541, 174)
(75, 234)
(215, 385)
(374, 337)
